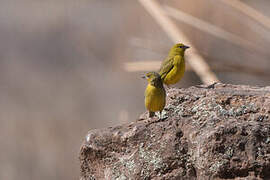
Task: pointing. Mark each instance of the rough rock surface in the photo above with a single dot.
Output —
(216, 132)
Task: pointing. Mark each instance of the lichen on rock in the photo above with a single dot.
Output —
(222, 132)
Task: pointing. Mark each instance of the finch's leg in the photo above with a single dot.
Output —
(160, 114)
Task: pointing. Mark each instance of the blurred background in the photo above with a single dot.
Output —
(70, 66)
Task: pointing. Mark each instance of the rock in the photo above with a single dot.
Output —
(216, 132)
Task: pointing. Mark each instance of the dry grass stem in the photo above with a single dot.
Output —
(249, 11)
(209, 28)
(196, 61)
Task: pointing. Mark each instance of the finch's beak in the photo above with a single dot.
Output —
(144, 77)
(186, 47)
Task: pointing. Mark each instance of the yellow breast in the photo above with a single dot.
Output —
(155, 98)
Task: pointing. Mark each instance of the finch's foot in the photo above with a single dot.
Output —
(151, 114)
(160, 115)
(161, 118)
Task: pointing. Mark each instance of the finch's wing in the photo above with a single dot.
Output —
(166, 67)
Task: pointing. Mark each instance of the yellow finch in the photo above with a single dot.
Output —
(155, 95)
(173, 67)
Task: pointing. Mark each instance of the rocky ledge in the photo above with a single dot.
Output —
(216, 132)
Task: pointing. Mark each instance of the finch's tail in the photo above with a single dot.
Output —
(151, 114)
